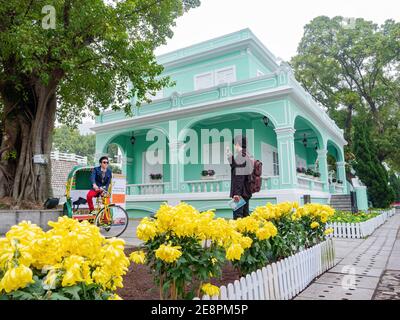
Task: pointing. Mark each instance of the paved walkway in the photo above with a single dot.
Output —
(366, 269)
(130, 234)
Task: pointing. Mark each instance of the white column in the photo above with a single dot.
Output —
(323, 167)
(287, 157)
(341, 174)
(176, 165)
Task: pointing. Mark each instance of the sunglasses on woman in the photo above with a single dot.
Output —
(106, 162)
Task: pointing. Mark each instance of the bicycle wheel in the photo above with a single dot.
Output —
(113, 224)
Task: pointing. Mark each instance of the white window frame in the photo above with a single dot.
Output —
(195, 77)
(233, 67)
(275, 164)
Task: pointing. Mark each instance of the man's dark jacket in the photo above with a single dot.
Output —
(241, 169)
(97, 177)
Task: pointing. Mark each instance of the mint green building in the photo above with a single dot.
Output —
(229, 84)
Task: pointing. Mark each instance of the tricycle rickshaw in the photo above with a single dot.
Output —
(112, 219)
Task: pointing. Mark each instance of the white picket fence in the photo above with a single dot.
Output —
(282, 280)
(361, 229)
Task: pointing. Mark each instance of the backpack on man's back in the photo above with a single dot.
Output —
(255, 177)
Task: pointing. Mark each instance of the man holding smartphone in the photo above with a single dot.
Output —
(241, 169)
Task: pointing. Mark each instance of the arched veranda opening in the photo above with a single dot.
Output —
(307, 140)
(206, 143)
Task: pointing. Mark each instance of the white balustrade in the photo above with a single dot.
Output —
(303, 182)
(146, 188)
(318, 185)
(197, 186)
(56, 155)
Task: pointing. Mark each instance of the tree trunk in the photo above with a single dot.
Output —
(28, 126)
(348, 125)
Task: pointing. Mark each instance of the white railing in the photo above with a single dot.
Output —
(282, 280)
(337, 188)
(303, 182)
(146, 188)
(56, 155)
(318, 185)
(211, 185)
(310, 183)
(361, 229)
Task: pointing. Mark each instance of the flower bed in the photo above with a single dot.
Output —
(72, 261)
(184, 248)
(360, 225)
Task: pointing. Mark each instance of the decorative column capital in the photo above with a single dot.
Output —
(322, 153)
(285, 131)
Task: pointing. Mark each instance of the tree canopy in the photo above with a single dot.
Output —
(98, 55)
(353, 69)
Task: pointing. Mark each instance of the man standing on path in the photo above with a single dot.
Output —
(241, 169)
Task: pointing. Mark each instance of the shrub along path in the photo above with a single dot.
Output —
(367, 269)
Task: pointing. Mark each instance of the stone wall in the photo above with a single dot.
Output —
(8, 218)
(59, 174)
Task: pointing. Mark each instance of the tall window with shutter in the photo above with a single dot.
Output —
(204, 81)
(225, 75)
(270, 160)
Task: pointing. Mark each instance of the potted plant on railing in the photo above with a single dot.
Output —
(302, 172)
(340, 182)
(317, 175)
(155, 176)
(334, 180)
(208, 174)
(309, 172)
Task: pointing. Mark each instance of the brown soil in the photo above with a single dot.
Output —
(139, 283)
(10, 203)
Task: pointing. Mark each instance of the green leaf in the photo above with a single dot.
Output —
(21, 295)
(58, 296)
(73, 292)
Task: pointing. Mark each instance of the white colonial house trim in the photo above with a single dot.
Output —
(280, 194)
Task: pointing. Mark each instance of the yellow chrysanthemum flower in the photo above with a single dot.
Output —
(314, 225)
(138, 257)
(234, 252)
(16, 278)
(210, 289)
(168, 253)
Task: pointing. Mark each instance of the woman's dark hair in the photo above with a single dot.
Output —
(241, 140)
(103, 158)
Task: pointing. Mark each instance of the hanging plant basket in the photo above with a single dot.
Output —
(156, 176)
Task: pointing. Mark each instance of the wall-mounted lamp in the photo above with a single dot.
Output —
(305, 140)
(266, 121)
(133, 139)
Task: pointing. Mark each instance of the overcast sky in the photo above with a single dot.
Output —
(278, 24)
